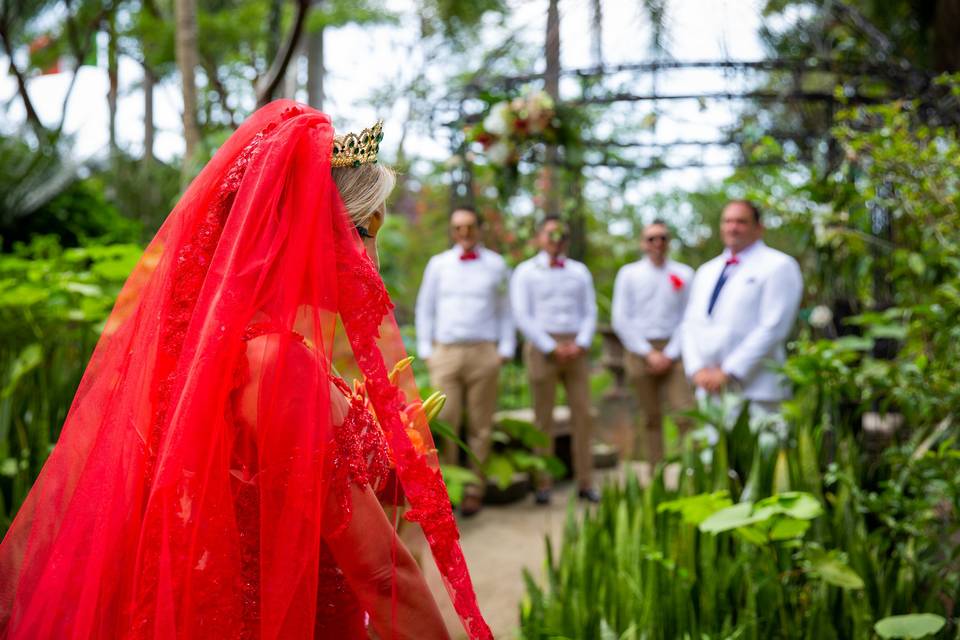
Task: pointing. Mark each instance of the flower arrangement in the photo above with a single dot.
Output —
(512, 124)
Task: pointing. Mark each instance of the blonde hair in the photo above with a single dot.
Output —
(363, 189)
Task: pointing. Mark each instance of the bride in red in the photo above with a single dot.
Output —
(215, 477)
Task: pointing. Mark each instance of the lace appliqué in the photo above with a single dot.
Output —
(360, 455)
(363, 304)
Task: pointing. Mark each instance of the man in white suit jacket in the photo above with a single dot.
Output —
(743, 305)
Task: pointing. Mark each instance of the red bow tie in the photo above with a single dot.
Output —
(557, 263)
(733, 260)
(469, 255)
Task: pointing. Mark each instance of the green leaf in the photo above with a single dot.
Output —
(8, 467)
(733, 517)
(795, 504)
(853, 343)
(441, 428)
(457, 478)
(500, 469)
(695, 509)
(917, 263)
(788, 528)
(555, 466)
(832, 569)
(525, 432)
(28, 360)
(914, 625)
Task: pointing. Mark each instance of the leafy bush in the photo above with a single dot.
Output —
(704, 560)
(53, 302)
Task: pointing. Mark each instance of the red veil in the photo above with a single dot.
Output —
(137, 526)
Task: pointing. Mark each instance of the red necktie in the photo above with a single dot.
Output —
(469, 255)
(733, 260)
(557, 263)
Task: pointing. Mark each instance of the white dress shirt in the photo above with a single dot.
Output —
(752, 317)
(648, 304)
(550, 300)
(465, 301)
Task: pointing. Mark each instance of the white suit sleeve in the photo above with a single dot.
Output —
(778, 312)
(426, 310)
(674, 346)
(622, 314)
(589, 325)
(521, 303)
(507, 342)
(692, 360)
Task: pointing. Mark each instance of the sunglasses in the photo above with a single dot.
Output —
(656, 238)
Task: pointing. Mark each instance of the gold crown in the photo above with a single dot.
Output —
(353, 150)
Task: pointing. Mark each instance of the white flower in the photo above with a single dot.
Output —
(499, 153)
(821, 316)
(497, 121)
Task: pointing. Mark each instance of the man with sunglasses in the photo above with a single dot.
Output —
(649, 298)
(464, 333)
(555, 308)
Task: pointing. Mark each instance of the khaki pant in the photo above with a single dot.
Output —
(545, 372)
(653, 391)
(468, 374)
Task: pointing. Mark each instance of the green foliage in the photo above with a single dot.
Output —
(804, 526)
(688, 562)
(343, 12)
(41, 195)
(515, 446)
(53, 302)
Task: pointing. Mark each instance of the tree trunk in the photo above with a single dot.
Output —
(596, 31)
(112, 76)
(32, 116)
(185, 17)
(945, 41)
(315, 69)
(551, 81)
(266, 86)
(273, 28)
(149, 129)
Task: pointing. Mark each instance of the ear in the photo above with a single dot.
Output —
(376, 221)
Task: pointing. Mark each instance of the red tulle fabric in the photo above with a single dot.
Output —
(201, 487)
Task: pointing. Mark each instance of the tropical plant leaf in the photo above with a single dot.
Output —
(914, 625)
(833, 569)
(696, 509)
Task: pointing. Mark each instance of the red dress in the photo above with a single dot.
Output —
(158, 515)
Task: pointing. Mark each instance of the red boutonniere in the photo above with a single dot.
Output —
(676, 281)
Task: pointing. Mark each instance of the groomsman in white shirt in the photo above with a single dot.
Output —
(555, 308)
(649, 297)
(465, 332)
(743, 305)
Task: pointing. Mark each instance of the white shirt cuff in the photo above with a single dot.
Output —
(546, 344)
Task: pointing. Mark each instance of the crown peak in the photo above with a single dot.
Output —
(355, 149)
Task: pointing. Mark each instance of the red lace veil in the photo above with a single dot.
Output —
(134, 528)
